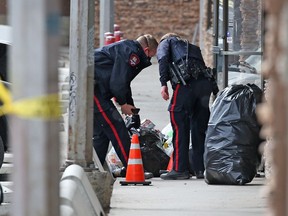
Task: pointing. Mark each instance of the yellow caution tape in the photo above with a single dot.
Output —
(5, 96)
(45, 107)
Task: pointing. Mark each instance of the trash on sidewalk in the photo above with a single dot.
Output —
(114, 163)
(152, 142)
(153, 153)
(232, 139)
(167, 131)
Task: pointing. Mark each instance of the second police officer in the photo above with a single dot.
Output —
(181, 63)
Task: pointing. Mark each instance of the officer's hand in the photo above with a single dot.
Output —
(127, 109)
(164, 92)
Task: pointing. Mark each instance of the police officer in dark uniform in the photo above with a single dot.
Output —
(116, 65)
(181, 63)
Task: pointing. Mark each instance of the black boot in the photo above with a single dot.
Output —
(174, 175)
(199, 174)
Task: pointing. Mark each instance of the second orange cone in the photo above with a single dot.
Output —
(135, 170)
(170, 164)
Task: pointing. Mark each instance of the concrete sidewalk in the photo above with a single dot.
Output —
(188, 197)
(182, 197)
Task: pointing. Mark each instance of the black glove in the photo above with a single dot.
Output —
(215, 88)
(132, 122)
(135, 121)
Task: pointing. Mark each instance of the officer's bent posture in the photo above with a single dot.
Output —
(116, 65)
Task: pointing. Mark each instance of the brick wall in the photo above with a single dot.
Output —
(251, 21)
(207, 36)
(157, 17)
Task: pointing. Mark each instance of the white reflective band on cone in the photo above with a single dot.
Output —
(134, 161)
(135, 146)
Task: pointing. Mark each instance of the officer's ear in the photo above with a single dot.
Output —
(146, 50)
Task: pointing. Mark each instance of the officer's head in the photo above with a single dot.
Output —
(170, 34)
(149, 44)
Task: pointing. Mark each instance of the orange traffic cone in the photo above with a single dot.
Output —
(135, 170)
(170, 164)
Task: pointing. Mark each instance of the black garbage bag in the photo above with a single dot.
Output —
(153, 155)
(232, 139)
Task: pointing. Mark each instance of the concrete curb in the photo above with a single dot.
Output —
(77, 196)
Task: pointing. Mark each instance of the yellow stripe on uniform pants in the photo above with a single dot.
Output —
(45, 107)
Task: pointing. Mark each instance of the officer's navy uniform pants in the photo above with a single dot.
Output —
(109, 126)
(189, 110)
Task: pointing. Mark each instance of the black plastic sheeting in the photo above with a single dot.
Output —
(232, 139)
(153, 156)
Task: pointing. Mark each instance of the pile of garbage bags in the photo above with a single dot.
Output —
(232, 139)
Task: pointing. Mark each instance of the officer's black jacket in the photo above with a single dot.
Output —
(175, 49)
(116, 65)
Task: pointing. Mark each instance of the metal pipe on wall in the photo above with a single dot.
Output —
(225, 44)
(106, 18)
